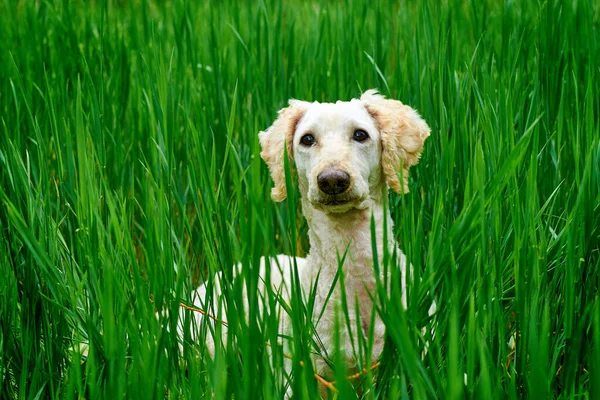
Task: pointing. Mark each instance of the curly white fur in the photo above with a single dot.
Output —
(341, 222)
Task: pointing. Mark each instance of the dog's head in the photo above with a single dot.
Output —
(344, 151)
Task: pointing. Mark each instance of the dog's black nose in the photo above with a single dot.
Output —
(333, 181)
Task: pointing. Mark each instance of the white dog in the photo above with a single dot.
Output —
(346, 155)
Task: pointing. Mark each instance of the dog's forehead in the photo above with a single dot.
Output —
(339, 114)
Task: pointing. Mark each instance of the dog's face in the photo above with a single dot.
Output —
(337, 151)
(344, 151)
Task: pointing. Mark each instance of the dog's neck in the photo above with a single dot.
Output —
(332, 235)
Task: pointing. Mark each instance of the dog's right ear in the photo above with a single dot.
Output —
(403, 133)
(276, 138)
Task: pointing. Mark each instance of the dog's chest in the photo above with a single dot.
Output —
(340, 293)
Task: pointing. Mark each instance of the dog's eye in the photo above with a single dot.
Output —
(307, 140)
(360, 135)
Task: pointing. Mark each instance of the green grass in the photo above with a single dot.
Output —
(130, 171)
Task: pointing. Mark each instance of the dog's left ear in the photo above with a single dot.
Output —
(403, 133)
(275, 139)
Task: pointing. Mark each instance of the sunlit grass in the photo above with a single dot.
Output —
(130, 172)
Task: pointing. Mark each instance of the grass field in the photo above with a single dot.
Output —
(130, 171)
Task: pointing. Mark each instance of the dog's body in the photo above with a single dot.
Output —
(346, 156)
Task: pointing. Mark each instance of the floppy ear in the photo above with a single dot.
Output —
(274, 140)
(403, 133)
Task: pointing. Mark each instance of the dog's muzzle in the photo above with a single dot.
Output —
(333, 181)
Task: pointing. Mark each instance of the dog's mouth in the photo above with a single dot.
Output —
(338, 204)
(334, 201)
